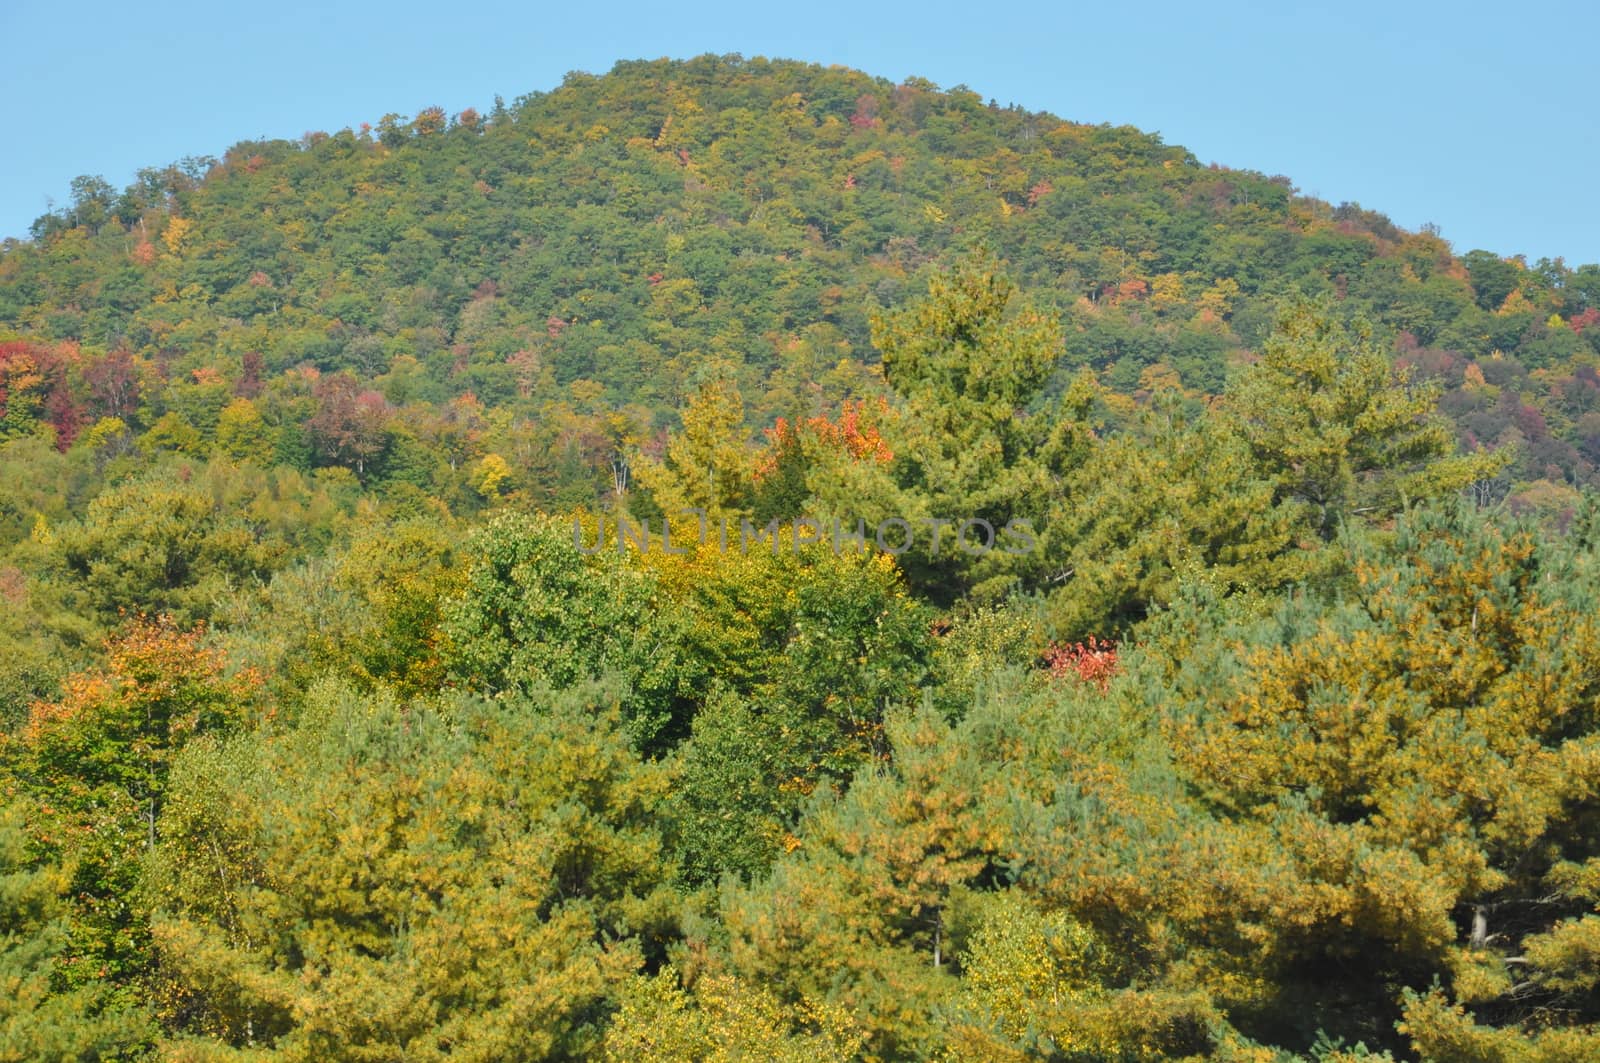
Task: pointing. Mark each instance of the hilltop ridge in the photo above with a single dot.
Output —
(604, 246)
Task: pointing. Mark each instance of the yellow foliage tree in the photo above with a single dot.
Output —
(708, 465)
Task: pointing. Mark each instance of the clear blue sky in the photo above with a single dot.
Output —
(1479, 118)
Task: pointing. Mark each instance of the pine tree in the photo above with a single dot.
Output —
(966, 366)
(707, 465)
(1339, 430)
(1418, 756)
(471, 881)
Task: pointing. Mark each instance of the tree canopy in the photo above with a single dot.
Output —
(735, 559)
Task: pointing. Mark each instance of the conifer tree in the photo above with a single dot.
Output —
(967, 367)
(707, 465)
(463, 881)
(1338, 429)
(1419, 755)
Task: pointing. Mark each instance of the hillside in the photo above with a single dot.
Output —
(608, 245)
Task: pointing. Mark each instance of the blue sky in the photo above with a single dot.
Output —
(1481, 119)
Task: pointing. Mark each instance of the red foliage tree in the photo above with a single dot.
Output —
(1092, 661)
(855, 432)
(113, 385)
(35, 390)
(350, 425)
(249, 385)
(866, 113)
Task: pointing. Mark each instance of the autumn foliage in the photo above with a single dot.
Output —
(854, 432)
(118, 725)
(35, 390)
(1092, 661)
(1275, 739)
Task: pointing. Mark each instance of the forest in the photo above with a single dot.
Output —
(447, 611)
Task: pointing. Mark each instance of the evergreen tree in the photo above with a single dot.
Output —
(469, 881)
(1339, 430)
(969, 454)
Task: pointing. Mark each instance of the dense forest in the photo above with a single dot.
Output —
(736, 559)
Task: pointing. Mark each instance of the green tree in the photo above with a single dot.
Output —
(370, 611)
(857, 913)
(534, 610)
(805, 653)
(1417, 755)
(966, 445)
(707, 464)
(98, 759)
(1493, 278)
(466, 881)
(40, 1020)
(1169, 499)
(158, 545)
(1338, 429)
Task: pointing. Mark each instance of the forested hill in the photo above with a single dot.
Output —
(581, 259)
(1232, 719)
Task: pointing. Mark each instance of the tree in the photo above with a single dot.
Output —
(470, 880)
(707, 465)
(857, 912)
(349, 425)
(92, 200)
(803, 654)
(1170, 498)
(1339, 430)
(98, 759)
(34, 393)
(1034, 985)
(241, 433)
(493, 473)
(1418, 756)
(795, 448)
(158, 545)
(969, 456)
(1493, 278)
(40, 1021)
(723, 1020)
(118, 727)
(403, 575)
(173, 432)
(534, 612)
(113, 384)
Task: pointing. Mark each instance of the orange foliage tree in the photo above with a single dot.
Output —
(97, 759)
